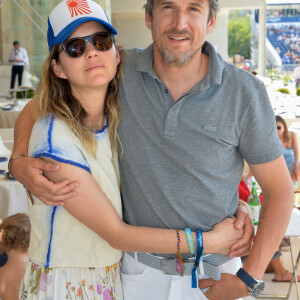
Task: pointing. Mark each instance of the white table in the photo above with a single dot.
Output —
(13, 198)
(8, 117)
(7, 136)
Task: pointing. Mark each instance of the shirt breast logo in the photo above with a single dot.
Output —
(209, 127)
(78, 7)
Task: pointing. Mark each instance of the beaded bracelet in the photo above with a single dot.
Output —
(179, 261)
(190, 240)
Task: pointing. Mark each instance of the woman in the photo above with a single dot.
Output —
(290, 149)
(78, 114)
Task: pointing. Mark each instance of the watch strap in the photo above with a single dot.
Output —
(246, 278)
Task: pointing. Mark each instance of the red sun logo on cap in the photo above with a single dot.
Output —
(78, 7)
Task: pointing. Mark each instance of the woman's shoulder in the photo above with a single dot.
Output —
(293, 134)
(50, 122)
(50, 126)
(293, 137)
(52, 135)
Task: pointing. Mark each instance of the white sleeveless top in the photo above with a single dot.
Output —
(58, 239)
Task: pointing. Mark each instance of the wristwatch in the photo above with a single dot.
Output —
(255, 286)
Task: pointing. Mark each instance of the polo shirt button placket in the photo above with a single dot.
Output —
(171, 121)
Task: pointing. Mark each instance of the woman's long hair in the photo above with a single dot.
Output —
(286, 134)
(55, 96)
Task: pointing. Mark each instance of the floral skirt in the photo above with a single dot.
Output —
(40, 283)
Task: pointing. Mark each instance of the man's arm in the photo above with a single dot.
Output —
(25, 58)
(276, 209)
(29, 171)
(274, 180)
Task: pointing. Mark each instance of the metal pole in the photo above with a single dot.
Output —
(262, 40)
(36, 12)
(25, 13)
(295, 265)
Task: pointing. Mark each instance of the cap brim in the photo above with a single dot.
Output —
(67, 31)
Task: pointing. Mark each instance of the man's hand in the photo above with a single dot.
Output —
(230, 287)
(29, 171)
(243, 220)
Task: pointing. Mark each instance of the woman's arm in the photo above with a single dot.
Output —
(296, 174)
(92, 207)
(29, 171)
(23, 128)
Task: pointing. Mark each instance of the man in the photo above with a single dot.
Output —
(18, 57)
(188, 121)
(296, 75)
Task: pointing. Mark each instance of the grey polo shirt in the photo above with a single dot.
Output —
(182, 161)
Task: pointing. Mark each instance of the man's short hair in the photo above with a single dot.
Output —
(16, 43)
(213, 8)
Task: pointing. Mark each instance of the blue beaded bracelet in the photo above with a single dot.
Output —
(190, 240)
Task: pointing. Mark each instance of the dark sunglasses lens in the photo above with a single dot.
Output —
(75, 48)
(102, 42)
(278, 127)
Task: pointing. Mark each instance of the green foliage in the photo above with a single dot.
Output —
(273, 75)
(284, 91)
(239, 34)
(22, 94)
(286, 79)
(298, 92)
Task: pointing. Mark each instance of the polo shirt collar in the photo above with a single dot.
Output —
(213, 76)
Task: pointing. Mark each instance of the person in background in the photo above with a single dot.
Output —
(14, 240)
(281, 274)
(290, 149)
(296, 75)
(18, 58)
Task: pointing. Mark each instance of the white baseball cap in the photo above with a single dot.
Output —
(69, 14)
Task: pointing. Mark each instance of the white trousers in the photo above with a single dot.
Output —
(141, 282)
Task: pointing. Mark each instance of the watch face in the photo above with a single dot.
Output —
(258, 288)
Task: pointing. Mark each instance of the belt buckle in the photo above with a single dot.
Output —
(165, 260)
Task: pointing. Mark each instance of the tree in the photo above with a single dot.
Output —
(239, 34)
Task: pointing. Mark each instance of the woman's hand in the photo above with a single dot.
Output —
(223, 235)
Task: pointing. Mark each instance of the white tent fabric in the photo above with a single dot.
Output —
(282, 2)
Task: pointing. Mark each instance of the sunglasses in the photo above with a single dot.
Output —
(278, 127)
(102, 41)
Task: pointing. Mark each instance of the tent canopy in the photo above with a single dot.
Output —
(282, 2)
